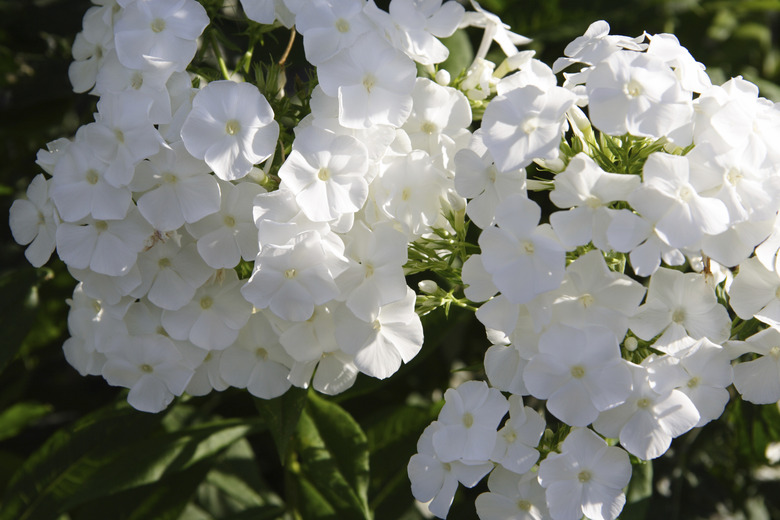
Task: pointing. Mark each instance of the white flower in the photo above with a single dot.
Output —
(468, 423)
(580, 373)
(328, 26)
(516, 442)
(495, 30)
(215, 315)
(149, 32)
(327, 174)
(637, 93)
(512, 497)
(373, 82)
(586, 478)
(231, 127)
(525, 124)
(434, 481)
(680, 304)
(395, 335)
(758, 380)
(756, 292)
(525, 259)
(648, 421)
(33, 221)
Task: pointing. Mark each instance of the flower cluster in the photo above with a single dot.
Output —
(622, 311)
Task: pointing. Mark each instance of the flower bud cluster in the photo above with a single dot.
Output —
(620, 311)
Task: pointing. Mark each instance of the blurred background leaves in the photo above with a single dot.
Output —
(215, 457)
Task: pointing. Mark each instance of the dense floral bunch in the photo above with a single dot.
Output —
(618, 292)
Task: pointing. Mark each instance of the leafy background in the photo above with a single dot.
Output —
(70, 448)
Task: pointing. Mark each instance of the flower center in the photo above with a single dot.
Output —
(468, 420)
(147, 368)
(775, 352)
(593, 202)
(323, 174)
(510, 436)
(528, 247)
(232, 127)
(633, 88)
(586, 300)
(577, 371)
(101, 225)
(369, 81)
(643, 403)
(406, 194)
(290, 273)
(137, 81)
(492, 173)
(342, 25)
(734, 176)
(369, 270)
(685, 193)
(206, 302)
(157, 25)
(120, 136)
(229, 220)
(530, 124)
(92, 177)
(164, 262)
(428, 127)
(584, 476)
(261, 353)
(169, 178)
(693, 382)
(678, 316)
(524, 505)
(376, 325)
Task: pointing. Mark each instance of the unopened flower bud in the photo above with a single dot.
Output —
(428, 286)
(442, 77)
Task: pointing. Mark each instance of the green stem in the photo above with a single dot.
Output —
(220, 60)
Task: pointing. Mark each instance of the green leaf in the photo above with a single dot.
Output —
(51, 475)
(330, 472)
(19, 416)
(281, 416)
(17, 310)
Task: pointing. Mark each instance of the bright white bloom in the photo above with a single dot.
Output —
(525, 124)
(227, 236)
(580, 373)
(756, 292)
(79, 187)
(637, 93)
(373, 82)
(468, 423)
(171, 272)
(231, 127)
(292, 278)
(478, 179)
(257, 361)
(689, 72)
(328, 26)
(395, 335)
(758, 380)
(327, 174)
(587, 190)
(93, 327)
(413, 26)
(594, 46)
(701, 370)
(149, 32)
(409, 190)
(678, 305)
(178, 188)
(629, 232)
(108, 289)
(495, 30)
(106, 246)
(331, 374)
(516, 443)
(586, 478)
(215, 315)
(524, 258)
(151, 367)
(439, 121)
(592, 294)
(33, 221)
(115, 78)
(122, 134)
(91, 46)
(648, 421)
(669, 197)
(434, 481)
(512, 497)
(375, 274)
